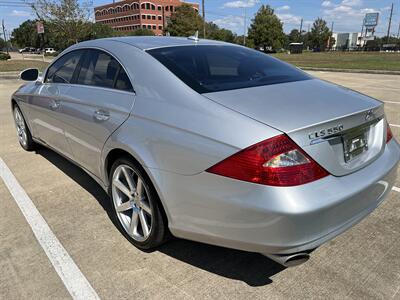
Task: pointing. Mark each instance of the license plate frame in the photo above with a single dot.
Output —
(355, 144)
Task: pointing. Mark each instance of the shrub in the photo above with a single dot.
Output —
(4, 56)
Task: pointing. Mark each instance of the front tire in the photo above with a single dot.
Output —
(136, 206)
(23, 132)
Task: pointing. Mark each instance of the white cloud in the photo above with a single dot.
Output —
(289, 19)
(241, 3)
(234, 23)
(284, 7)
(20, 13)
(327, 4)
(352, 2)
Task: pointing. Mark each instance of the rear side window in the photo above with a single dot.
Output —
(102, 70)
(62, 70)
(219, 68)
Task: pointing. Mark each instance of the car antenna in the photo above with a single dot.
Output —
(194, 37)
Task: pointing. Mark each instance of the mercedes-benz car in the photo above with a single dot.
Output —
(212, 142)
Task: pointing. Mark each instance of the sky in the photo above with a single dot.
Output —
(347, 15)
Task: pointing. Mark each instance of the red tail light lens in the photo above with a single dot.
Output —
(389, 133)
(277, 161)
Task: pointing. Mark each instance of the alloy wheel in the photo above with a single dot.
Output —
(131, 203)
(21, 128)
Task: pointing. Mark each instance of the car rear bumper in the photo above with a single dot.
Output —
(273, 220)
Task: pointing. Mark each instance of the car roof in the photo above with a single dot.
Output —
(152, 42)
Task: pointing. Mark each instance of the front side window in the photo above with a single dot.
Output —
(62, 70)
(219, 68)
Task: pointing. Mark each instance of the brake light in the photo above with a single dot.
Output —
(389, 133)
(277, 161)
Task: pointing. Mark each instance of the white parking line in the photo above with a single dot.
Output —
(396, 189)
(395, 125)
(75, 282)
(392, 102)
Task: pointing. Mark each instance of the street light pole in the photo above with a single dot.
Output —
(204, 18)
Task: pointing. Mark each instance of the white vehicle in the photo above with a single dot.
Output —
(49, 50)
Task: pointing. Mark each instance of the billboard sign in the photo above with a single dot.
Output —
(371, 19)
(39, 27)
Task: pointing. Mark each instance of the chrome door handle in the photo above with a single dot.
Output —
(54, 104)
(101, 115)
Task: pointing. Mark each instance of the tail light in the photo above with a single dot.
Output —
(389, 133)
(277, 161)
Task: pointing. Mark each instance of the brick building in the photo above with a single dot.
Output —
(129, 15)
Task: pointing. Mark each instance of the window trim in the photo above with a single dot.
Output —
(74, 76)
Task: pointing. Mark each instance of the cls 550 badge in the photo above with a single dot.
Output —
(325, 132)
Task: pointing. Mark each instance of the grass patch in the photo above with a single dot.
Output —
(19, 65)
(344, 60)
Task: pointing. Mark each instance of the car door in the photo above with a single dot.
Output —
(46, 109)
(96, 106)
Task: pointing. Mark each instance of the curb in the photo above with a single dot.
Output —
(360, 71)
(9, 75)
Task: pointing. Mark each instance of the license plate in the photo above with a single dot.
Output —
(355, 144)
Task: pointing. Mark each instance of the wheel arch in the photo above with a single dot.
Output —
(116, 153)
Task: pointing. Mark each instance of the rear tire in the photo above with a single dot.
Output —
(23, 132)
(136, 205)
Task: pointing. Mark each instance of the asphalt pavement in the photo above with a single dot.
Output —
(362, 263)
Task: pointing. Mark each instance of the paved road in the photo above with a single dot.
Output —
(363, 263)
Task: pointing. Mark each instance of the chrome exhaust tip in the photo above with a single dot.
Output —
(290, 260)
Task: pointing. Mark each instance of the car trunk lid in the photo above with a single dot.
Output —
(339, 128)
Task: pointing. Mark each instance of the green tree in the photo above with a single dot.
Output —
(319, 35)
(25, 35)
(185, 21)
(97, 31)
(295, 36)
(2, 44)
(68, 19)
(141, 32)
(266, 29)
(213, 32)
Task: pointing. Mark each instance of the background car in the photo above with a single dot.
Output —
(50, 50)
(27, 50)
(212, 142)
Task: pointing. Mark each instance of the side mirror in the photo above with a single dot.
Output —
(29, 74)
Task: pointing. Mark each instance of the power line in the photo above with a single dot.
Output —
(390, 24)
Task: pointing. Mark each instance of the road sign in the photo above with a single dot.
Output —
(371, 19)
(39, 27)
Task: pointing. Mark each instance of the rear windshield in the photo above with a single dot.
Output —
(219, 68)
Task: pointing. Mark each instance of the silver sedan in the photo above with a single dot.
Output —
(212, 142)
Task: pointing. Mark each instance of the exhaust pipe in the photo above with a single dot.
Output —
(290, 260)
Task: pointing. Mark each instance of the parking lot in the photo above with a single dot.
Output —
(364, 262)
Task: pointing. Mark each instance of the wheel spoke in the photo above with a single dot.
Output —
(134, 223)
(124, 206)
(128, 180)
(143, 222)
(119, 185)
(139, 187)
(145, 207)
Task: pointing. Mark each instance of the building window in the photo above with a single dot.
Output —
(153, 7)
(148, 17)
(153, 17)
(148, 26)
(160, 27)
(143, 17)
(159, 7)
(159, 18)
(167, 8)
(147, 5)
(154, 27)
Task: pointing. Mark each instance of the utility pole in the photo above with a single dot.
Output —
(301, 25)
(244, 27)
(4, 34)
(398, 32)
(390, 24)
(330, 37)
(204, 18)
